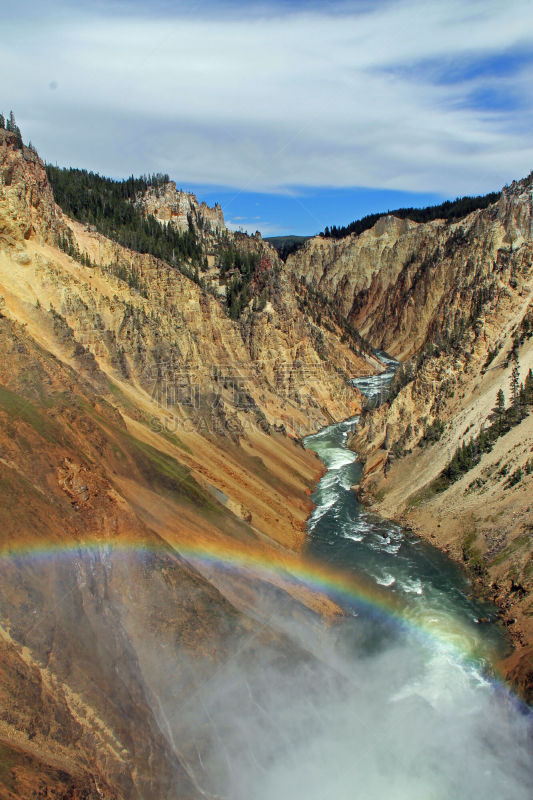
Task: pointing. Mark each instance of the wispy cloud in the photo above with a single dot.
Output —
(252, 225)
(396, 95)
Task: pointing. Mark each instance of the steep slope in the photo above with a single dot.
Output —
(90, 591)
(401, 282)
(455, 300)
(143, 432)
(483, 517)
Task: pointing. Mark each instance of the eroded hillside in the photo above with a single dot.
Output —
(143, 430)
(151, 415)
(403, 283)
(453, 300)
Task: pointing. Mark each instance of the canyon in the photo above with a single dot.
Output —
(145, 425)
(453, 301)
(144, 429)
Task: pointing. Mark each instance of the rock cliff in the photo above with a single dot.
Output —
(142, 431)
(452, 300)
(402, 283)
(181, 209)
(28, 208)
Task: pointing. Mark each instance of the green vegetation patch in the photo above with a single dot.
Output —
(165, 473)
(123, 399)
(423, 495)
(172, 438)
(18, 407)
(108, 205)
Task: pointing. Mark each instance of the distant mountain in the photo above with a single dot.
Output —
(285, 245)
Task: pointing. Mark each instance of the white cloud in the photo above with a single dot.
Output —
(266, 102)
(253, 225)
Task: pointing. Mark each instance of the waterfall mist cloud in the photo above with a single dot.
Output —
(403, 724)
(410, 95)
(274, 705)
(293, 708)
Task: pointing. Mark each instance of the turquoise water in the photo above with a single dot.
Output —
(432, 590)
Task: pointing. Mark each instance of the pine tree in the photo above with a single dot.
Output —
(14, 128)
(499, 411)
(528, 387)
(2, 122)
(515, 387)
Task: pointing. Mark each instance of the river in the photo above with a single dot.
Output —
(428, 588)
(428, 591)
(429, 718)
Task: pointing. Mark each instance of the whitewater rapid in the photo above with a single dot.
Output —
(431, 589)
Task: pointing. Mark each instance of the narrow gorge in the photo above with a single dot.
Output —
(235, 559)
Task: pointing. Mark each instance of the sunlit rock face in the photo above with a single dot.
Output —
(28, 208)
(181, 209)
(454, 302)
(135, 426)
(400, 282)
(173, 339)
(133, 456)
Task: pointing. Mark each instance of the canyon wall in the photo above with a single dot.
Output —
(401, 282)
(142, 431)
(453, 301)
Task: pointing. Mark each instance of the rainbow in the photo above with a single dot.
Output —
(294, 574)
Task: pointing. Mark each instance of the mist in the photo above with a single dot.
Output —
(271, 702)
(296, 715)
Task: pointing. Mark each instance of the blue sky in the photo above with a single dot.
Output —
(307, 210)
(294, 115)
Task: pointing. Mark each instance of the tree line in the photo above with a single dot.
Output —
(107, 205)
(502, 419)
(450, 210)
(11, 125)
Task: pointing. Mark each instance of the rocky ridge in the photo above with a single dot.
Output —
(181, 209)
(403, 283)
